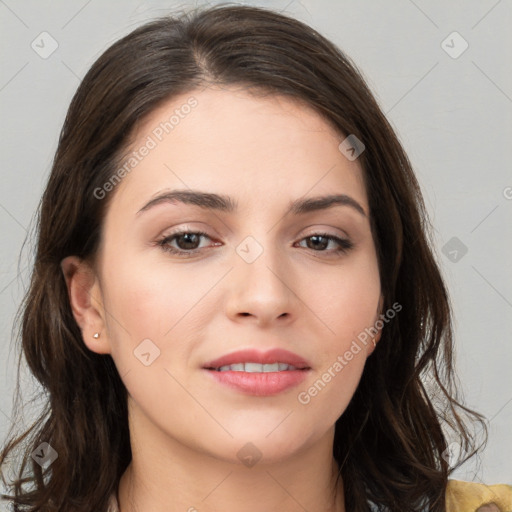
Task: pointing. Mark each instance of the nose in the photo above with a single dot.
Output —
(261, 290)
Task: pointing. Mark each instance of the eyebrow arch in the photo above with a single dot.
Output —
(211, 201)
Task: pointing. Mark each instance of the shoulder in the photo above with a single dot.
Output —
(474, 497)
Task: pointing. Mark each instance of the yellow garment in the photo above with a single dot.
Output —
(472, 497)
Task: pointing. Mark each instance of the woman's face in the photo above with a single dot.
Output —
(264, 276)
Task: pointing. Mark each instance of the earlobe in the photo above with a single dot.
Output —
(86, 303)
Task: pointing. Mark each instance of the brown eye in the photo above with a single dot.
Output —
(186, 241)
(320, 241)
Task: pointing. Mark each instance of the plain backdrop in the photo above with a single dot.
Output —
(441, 71)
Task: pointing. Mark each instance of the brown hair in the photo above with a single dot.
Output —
(389, 442)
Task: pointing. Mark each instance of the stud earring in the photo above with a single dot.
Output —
(374, 343)
(96, 335)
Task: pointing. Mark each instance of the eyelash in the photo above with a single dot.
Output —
(345, 245)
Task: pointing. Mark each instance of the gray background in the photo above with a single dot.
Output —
(452, 110)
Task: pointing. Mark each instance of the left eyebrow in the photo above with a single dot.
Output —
(211, 201)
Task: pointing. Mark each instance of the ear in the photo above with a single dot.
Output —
(86, 302)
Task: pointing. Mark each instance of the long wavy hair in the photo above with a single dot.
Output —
(391, 441)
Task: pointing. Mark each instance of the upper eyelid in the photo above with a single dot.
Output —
(203, 232)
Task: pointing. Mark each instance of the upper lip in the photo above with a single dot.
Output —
(276, 355)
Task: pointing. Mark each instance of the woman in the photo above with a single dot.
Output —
(234, 303)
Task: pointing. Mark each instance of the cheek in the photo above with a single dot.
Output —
(149, 298)
(346, 300)
(168, 306)
(328, 394)
(136, 301)
(347, 305)
(147, 321)
(141, 303)
(349, 312)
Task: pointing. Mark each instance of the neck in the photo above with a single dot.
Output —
(165, 475)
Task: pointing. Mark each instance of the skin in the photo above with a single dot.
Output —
(185, 428)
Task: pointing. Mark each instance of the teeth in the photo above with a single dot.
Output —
(254, 367)
(257, 367)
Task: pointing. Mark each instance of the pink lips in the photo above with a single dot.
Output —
(259, 383)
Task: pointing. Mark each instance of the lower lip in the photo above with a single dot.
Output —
(260, 383)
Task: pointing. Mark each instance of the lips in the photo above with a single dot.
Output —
(255, 356)
(254, 373)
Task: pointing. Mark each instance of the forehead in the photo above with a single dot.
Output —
(230, 141)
